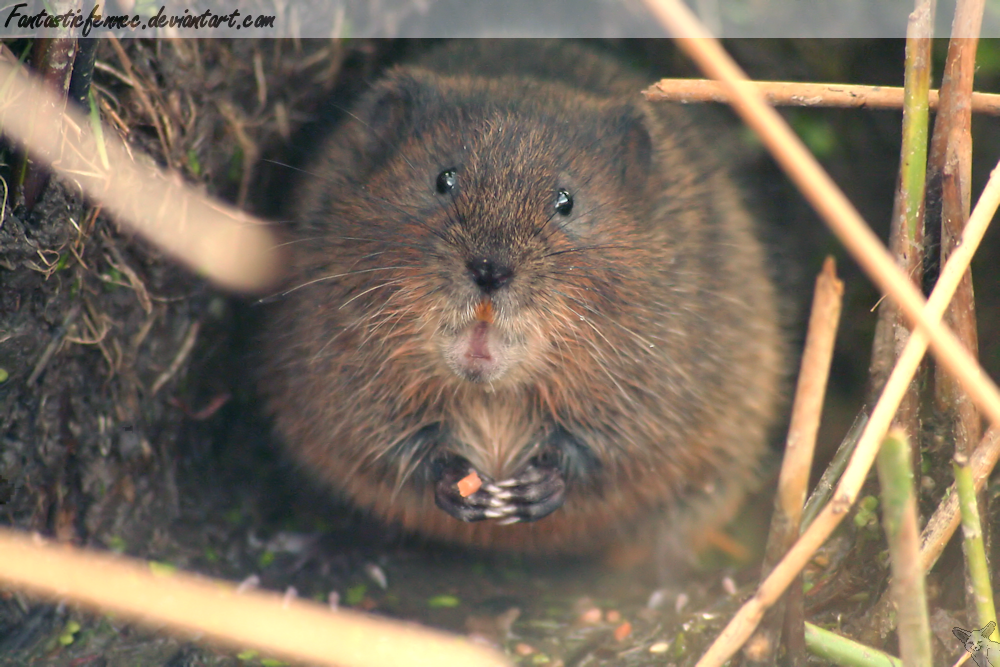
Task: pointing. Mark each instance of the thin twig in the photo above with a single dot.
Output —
(134, 280)
(899, 516)
(140, 91)
(793, 481)
(907, 229)
(50, 349)
(237, 124)
(793, 93)
(182, 354)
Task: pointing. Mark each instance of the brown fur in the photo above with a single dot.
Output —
(645, 326)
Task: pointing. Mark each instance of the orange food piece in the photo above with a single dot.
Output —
(469, 484)
(484, 310)
(623, 631)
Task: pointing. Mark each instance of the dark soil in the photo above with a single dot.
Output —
(92, 320)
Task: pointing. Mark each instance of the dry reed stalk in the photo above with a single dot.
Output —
(222, 243)
(793, 481)
(797, 94)
(950, 179)
(949, 186)
(844, 220)
(747, 618)
(827, 199)
(291, 629)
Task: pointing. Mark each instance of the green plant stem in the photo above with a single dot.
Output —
(972, 544)
(906, 235)
(843, 651)
(899, 516)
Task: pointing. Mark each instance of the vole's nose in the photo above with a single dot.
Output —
(488, 275)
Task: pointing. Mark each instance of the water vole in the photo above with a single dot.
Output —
(506, 262)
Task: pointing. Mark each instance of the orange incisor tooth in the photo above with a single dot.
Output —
(484, 310)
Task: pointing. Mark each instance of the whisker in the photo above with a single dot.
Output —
(329, 277)
(384, 241)
(570, 251)
(367, 125)
(600, 357)
(387, 283)
(288, 166)
(409, 216)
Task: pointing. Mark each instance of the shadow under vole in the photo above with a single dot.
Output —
(507, 263)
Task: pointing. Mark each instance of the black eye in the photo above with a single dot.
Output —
(564, 202)
(446, 181)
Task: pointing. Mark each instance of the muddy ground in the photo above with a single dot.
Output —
(129, 420)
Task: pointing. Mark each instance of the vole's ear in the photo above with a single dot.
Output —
(386, 115)
(634, 145)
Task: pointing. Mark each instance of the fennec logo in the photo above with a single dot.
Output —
(984, 650)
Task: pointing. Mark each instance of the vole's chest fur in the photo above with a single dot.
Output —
(497, 432)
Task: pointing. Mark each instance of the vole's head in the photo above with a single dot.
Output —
(496, 220)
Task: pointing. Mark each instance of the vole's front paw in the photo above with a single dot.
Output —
(447, 496)
(538, 491)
